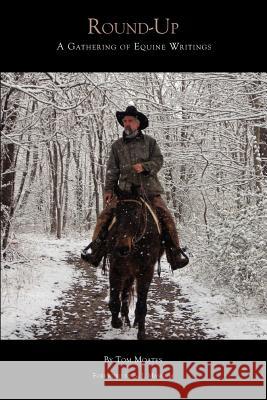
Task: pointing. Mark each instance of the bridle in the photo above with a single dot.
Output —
(135, 239)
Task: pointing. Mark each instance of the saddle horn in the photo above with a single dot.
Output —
(121, 194)
(135, 190)
(118, 192)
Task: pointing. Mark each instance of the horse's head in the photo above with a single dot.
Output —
(130, 221)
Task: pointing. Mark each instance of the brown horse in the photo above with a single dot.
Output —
(134, 246)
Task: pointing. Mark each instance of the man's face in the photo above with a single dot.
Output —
(130, 124)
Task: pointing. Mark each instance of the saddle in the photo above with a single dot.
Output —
(97, 249)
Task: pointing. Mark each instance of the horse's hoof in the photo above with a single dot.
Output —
(116, 323)
(141, 335)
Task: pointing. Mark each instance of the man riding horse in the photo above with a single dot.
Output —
(135, 160)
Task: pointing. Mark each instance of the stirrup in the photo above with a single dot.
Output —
(172, 259)
(96, 254)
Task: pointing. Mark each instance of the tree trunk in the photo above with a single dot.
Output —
(31, 180)
(10, 114)
(66, 188)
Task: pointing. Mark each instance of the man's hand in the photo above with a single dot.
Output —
(138, 168)
(108, 196)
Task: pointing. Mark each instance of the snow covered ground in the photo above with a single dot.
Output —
(37, 282)
(218, 310)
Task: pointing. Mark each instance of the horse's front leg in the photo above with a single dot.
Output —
(143, 284)
(114, 300)
(125, 300)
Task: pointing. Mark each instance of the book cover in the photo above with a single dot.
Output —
(133, 202)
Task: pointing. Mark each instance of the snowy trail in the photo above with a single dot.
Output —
(53, 294)
(84, 312)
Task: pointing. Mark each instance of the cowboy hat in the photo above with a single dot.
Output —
(132, 111)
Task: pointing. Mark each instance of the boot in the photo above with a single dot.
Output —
(176, 257)
(96, 250)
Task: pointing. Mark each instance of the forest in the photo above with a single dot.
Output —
(56, 133)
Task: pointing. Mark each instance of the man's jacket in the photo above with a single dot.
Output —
(124, 154)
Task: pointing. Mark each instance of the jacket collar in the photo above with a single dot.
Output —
(140, 135)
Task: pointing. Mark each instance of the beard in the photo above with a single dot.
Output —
(128, 130)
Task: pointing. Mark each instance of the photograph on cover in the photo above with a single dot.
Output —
(133, 205)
